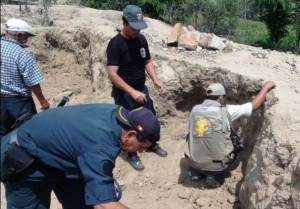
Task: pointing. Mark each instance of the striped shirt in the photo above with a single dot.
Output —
(19, 70)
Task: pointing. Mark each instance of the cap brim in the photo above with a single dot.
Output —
(138, 25)
(122, 116)
(31, 33)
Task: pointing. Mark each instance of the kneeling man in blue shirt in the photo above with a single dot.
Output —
(74, 150)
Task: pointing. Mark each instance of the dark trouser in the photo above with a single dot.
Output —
(32, 188)
(12, 108)
(126, 101)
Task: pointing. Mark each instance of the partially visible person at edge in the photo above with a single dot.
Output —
(216, 96)
(75, 159)
(20, 75)
(127, 58)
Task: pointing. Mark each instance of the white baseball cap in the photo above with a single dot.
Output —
(18, 25)
(215, 89)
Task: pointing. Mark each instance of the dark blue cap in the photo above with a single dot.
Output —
(141, 120)
(134, 15)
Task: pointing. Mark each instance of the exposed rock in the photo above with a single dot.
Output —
(174, 34)
(216, 43)
(204, 39)
(260, 54)
(191, 28)
(188, 41)
(183, 30)
(72, 57)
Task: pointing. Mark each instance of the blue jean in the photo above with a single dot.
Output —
(126, 101)
(32, 188)
(35, 192)
(12, 108)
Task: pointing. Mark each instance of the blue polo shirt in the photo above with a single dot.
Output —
(82, 141)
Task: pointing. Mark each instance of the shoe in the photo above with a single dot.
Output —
(195, 176)
(135, 161)
(212, 182)
(158, 150)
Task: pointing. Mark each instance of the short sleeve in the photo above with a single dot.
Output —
(113, 52)
(96, 167)
(145, 44)
(29, 69)
(237, 111)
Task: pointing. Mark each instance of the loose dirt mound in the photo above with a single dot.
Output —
(71, 54)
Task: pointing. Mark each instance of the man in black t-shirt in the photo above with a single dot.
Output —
(128, 57)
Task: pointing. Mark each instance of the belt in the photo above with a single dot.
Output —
(6, 95)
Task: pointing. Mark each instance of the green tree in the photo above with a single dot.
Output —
(192, 10)
(105, 4)
(173, 11)
(249, 9)
(277, 16)
(220, 16)
(296, 17)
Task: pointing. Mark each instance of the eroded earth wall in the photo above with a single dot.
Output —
(73, 60)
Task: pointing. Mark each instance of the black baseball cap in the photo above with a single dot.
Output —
(142, 120)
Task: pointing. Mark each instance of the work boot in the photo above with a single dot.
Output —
(195, 175)
(158, 150)
(135, 161)
(212, 182)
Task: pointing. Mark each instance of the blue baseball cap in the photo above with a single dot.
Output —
(134, 15)
(142, 120)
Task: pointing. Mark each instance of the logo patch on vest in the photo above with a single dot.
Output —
(201, 127)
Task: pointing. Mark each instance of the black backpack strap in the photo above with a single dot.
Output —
(26, 116)
(236, 141)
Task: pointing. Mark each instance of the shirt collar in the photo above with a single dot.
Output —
(4, 38)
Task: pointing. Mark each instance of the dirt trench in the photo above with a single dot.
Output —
(71, 54)
(73, 61)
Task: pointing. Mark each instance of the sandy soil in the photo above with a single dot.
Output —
(71, 54)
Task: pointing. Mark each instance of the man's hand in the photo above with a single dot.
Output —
(45, 105)
(269, 85)
(259, 100)
(159, 86)
(110, 205)
(139, 97)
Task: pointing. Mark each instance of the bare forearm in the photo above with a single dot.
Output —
(138, 96)
(151, 70)
(40, 96)
(152, 73)
(120, 83)
(111, 205)
(258, 101)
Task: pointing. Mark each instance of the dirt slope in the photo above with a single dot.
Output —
(71, 54)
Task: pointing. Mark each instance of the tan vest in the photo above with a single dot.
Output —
(209, 146)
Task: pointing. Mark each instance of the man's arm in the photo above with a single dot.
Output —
(36, 89)
(138, 96)
(261, 96)
(111, 205)
(152, 73)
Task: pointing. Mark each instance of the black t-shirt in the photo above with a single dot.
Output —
(130, 55)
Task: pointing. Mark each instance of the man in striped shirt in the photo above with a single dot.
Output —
(20, 75)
